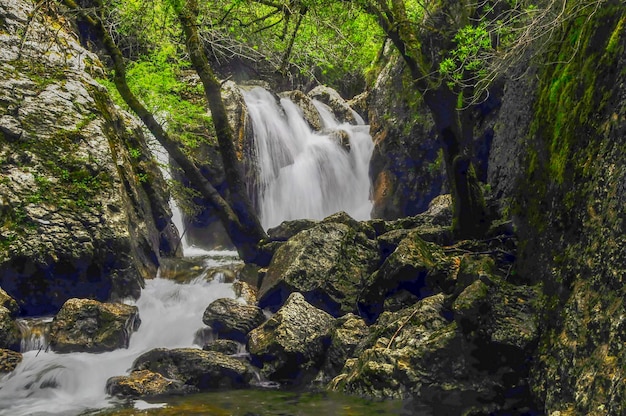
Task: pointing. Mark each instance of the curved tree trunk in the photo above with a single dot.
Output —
(246, 238)
(237, 194)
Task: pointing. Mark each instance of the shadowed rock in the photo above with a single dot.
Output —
(232, 319)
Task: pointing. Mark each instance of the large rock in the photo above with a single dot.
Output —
(84, 325)
(200, 369)
(418, 353)
(329, 264)
(145, 383)
(290, 346)
(9, 332)
(232, 319)
(84, 206)
(419, 267)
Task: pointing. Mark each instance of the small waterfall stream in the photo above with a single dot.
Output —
(47, 383)
(307, 174)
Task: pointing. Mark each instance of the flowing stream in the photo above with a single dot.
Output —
(307, 174)
(68, 384)
(303, 174)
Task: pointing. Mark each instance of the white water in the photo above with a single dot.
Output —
(306, 174)
(67, 384)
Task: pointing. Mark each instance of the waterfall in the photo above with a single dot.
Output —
(69, 384)
(307, 174)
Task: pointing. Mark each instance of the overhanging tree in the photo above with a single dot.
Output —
(454, 50)
(233, 206)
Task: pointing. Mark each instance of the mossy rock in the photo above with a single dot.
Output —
(85, 325)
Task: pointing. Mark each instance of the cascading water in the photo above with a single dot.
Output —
(307, 174)
(68, 384)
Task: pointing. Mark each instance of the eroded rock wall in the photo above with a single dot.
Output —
(83, 206)
(559, 154)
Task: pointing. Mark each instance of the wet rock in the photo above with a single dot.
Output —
(85, 325)
(309, 112)
(329, 264)
(145, 383)
(232, 319)
(203, 370)
(290, 346)
(9, 303)
(338, 105)
(9, 332)
(9, 359)
(341, 137)
(288, 229)
(224, 346)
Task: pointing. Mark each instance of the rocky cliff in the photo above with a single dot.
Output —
(83, 206)
(558, 155)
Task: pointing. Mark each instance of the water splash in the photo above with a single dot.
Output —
(307, 174)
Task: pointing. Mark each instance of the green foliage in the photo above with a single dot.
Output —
(471, 44)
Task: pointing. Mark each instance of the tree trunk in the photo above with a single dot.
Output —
(245, 238)
(237, 196)
(469, 217)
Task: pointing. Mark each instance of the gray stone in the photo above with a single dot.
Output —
(203, 370)
(85, 325)
(329, 264)
(232, 319)
(290, 346)
(337, 104)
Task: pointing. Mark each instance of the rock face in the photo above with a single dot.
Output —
(291, 344)
(84, 325)
(563, 167)
(202, 370)
(309, 112)
(329, 264)
(231, 319)
(83, 207)
(407, 167)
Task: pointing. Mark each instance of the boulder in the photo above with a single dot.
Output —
(329, 264)
(9, 359)
(200, 369)
(85, 325)
(416, 266)
(224, 346)
(417, 353)
(288, 229)
(9, 332)
(309, 112)
(337, 104)
(500, 313)
(232, 319)
(145, 383)
(290, 346)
